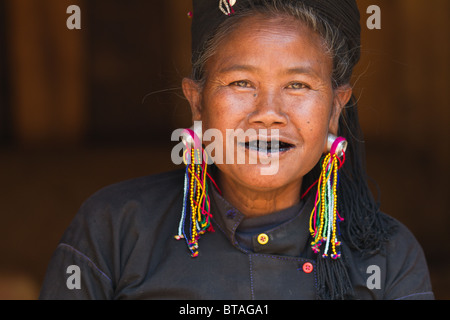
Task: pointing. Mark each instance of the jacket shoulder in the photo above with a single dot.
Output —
(146, 188)
(133, 204)
(407, 274)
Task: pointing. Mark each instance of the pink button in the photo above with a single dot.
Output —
(307, 267)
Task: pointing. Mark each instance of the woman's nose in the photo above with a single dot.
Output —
(268, 110)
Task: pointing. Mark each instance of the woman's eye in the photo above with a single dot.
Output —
(241, 83)
(297, 86)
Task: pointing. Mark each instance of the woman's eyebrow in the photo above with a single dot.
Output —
(307, 70)
(238, 67)
(301, 70)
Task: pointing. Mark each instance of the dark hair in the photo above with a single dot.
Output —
(364, 228)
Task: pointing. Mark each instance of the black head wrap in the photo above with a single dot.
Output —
(342, 14)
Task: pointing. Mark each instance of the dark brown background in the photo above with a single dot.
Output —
(81, 109)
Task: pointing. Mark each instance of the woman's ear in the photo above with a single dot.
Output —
(342, 96)
(192, 92)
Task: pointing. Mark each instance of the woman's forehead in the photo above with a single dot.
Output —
(274, 44)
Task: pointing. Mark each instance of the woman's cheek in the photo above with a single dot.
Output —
(227, 111)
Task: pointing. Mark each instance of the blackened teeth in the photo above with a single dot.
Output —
(266, 146)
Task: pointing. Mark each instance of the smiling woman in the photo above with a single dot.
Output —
(309, 231)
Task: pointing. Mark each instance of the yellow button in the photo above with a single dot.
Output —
(263, 238)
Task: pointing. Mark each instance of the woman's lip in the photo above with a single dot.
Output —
(279, 148)
(282, 139)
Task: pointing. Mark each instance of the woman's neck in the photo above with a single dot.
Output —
(253, 203)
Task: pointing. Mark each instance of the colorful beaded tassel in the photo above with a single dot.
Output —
(196, 217)
(325, 218)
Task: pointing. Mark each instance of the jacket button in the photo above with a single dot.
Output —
(263, 239)
(307, 267)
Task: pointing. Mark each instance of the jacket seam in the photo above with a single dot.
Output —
(252, 292)
(283, 257)
(415, 294)
(232, 241)
(84, 257)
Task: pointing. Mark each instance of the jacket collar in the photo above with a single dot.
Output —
(289, 238)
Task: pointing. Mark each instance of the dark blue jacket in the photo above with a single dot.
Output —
(122, 245)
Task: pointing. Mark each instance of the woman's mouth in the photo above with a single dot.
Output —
(268, 146)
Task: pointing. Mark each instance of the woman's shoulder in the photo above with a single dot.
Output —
(397, 269)
(137, 200)
(407, 274)
(131, 205)
(158, 181)
(146, 188)
(400, 234)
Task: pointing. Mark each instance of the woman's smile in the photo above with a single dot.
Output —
(267, 146)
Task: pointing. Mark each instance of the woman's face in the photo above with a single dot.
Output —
(269, 74)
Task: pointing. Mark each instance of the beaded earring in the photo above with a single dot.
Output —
(324, 220)
(196, 216)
